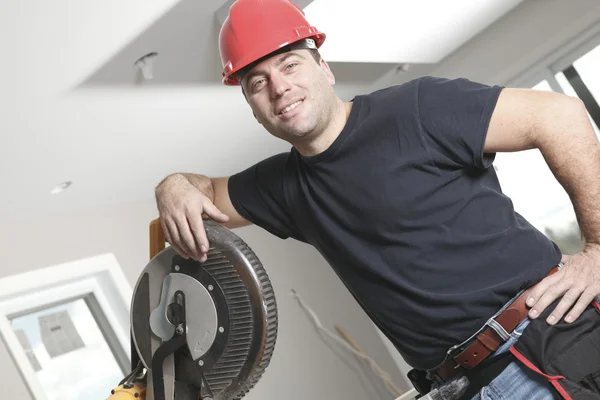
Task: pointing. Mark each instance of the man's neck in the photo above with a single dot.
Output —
(322, 142)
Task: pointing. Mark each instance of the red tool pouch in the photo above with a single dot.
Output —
(568, 355)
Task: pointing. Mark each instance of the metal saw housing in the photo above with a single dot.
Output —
(231, 316)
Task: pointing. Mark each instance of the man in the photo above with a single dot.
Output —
(396, 190)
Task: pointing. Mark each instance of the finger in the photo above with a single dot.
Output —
(542, 286)
(547, 298)
(187, 239)
(167, 231)
(213, 212)
(584, 301)
(175, 243)
(175, 240)
(199, 233)
(564, 305)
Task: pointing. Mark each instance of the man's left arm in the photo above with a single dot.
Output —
(559, 127)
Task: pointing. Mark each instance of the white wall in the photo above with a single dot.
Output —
(116, 144)
(303, 366)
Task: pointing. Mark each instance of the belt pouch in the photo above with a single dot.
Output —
(567, 354)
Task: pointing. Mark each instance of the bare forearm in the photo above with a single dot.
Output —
(559, 127)
(200, 182)
(572, 151)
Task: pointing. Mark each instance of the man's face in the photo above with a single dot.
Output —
(291, 95)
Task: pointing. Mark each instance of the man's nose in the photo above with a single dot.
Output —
(279, 85)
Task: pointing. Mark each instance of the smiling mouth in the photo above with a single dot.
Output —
(290, 107)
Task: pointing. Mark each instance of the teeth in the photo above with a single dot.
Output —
(290, 107)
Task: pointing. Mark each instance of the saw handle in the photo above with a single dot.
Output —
(157, 238)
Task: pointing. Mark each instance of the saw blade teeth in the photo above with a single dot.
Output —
(242, 289)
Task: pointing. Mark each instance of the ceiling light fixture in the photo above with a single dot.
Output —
(402, 68)
(145, 64)
(61, 187)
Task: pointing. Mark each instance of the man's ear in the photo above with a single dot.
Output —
(328, 73)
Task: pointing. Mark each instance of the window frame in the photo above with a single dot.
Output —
(561, 58)
(99, 276)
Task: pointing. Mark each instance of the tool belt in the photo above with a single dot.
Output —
(566, 354)
(485, 343)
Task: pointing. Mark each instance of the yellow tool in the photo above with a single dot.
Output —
(137, 391)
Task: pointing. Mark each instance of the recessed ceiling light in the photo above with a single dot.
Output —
(61, 187)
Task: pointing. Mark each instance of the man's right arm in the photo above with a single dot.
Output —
(183, 200)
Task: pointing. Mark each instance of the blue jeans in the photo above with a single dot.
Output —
(516, 382)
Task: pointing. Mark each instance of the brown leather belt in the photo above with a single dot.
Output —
(487, 341)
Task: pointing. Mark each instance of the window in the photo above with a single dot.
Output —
(588, 67)
(581, 79)
(574, 73)
(543, 85)
(525, 177)
(67, 328)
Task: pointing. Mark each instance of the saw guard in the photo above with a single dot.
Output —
(246, 308)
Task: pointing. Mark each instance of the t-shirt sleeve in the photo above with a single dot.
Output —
(257, 194)
(454, 116)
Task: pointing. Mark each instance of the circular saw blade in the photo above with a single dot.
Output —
(234, 296)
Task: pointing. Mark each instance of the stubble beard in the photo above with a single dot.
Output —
(310, 128)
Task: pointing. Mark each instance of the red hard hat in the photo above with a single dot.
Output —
(255, 28)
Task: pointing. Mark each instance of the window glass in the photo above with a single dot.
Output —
(543, 85)
(568, 90)
(68, 352)
(588, 68)
(565, 85)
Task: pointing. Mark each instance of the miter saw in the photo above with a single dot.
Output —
(200, 331)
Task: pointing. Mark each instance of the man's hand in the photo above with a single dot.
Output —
(578, 283)
(181, 206)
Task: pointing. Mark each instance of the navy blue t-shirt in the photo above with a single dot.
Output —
(407, 209)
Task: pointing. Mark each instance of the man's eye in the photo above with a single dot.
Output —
(257, 83)
(291, 65)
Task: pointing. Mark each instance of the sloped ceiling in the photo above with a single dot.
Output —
(401, 31)
(51, 47)
(365, 39)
